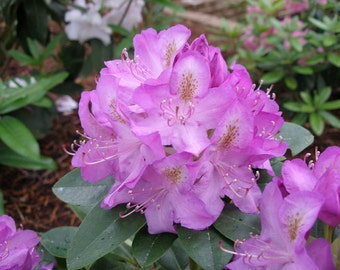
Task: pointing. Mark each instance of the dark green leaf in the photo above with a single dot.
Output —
(174, 258)
(236, 225)
(73, 189)
(111, 262)
(148, 248)
(316, 123)
(272, 77)
(11, 158)
(18, 137)
(100, 233)
(33, 21)
(57, 240)
(298, 137)
(203, 247)
(80, 210)
(170, 4)
(298, 107)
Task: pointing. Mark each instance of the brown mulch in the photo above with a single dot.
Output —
(28, 194)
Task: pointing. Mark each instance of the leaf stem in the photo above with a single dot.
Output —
(329, 233)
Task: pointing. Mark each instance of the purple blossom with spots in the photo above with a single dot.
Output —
(178, 131)
(18, 247)
(321, 176)
(282, 243)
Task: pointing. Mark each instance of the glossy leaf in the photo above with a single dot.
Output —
(73, 189)
(11, 158)
(100, 233)
(236, 225)
(175, 258)
(298, 137)
(18, 137)
(57, 240)
(203, 247)
(148, 248)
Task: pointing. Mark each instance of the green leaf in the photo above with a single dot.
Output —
(170, 4)
(303, 70)
(291, 83)
(148, 248)
(307, 98)
(316, 123)
(18, 137)
(318, 23)
(298, 137)
(295, 43)
(334, 58)
(331, 105)
(57, 240)
(236, 225)
(174, 258)
(20, 97)
(11, 158)
(316, 59)
(49, 50)
(34, 48)
(203, 247)
(23, 58)
(272, 76)
(329, 40)
(323, 95)
(330, 118)
(298, 107)
(73, 189)
(100, 233)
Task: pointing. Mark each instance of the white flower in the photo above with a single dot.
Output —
(83, 26)
(117, 15)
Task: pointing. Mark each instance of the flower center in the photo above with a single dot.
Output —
(294, 223)
(230, 136)
(188, 87)
(173, 175)
(169, 51)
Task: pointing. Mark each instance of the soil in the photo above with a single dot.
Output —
(28, 194)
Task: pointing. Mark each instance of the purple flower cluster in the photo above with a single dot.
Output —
(178, 130)
(289, 208)
(17, 247)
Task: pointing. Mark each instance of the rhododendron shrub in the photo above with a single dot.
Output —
(178, 131)
(181, 155)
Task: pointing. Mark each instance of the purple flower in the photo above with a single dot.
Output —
(282, 242)
(322, 177)
(17, 247)
(167, 194)
(176, 108)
